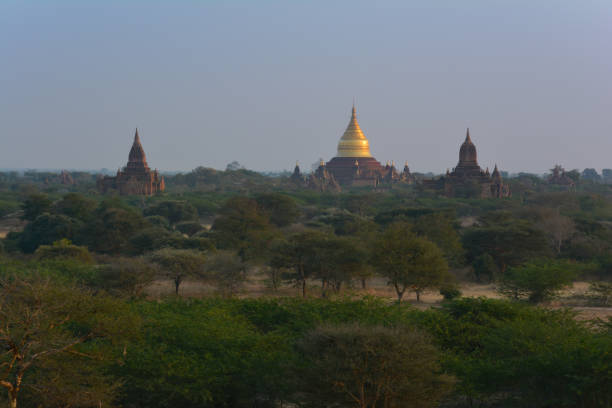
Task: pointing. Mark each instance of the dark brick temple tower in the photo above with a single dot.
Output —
(136, 178)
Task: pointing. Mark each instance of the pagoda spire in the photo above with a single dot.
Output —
(467, 136)
(353, 142)
(137, 157)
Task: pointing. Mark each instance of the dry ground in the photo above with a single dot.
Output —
(257, 286)
(10, 223)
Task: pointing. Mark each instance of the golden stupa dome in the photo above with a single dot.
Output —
(353, 142)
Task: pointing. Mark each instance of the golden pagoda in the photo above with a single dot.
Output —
(354, 164)
(353, 142)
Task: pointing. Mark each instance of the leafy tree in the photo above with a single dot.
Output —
(48, 328)
(238, 219)
(178, 264)
(7, 207)
(197, 353)
(111, 228)
(158, 221)
(511, 354)
(484, 266)
(337, 261)
(76, 206)
(173, 210)
(63, 249)
(351, 225)
(281, 209)
(359, 204)
(34, 205)
(408, 261)
(149, 239)
(126, 276)
(509, 243)
(538, 280)
(189, 227)
(46, 229)
(299, 254)
(228, 272)
(439, 229)
(365, 367)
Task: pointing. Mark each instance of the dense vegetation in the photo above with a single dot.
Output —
(80, 327)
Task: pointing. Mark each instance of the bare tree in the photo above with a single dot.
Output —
(557, 227)
(228, 271)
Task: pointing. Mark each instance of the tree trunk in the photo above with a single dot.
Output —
(418, 295)
(363, 283)
(303, 287)
(400, 293)
(177, 283)
(12, 398)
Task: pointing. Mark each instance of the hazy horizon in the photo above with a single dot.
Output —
(268, 83)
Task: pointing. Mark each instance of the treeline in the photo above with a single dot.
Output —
(531, 248)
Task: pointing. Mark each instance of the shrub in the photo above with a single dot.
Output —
(450, 292)
(537, 280)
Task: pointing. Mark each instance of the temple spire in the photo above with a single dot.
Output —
(467, 136)
(137, 157)
(353, 142)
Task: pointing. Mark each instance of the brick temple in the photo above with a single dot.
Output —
(468, 178)
(136, 178)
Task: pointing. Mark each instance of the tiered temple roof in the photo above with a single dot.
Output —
(136, 178)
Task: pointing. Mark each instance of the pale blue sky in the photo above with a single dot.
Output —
(271, 82)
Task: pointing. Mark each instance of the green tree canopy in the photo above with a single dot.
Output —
(76, 206)
(238, 219)
(63, 249)
(178, 264)
(34, 205)
(173, 210)
(408, 261)
(537, 280)
(281, 209)
(509, 244)
(54, 340)
(46, 229)
(365, 367)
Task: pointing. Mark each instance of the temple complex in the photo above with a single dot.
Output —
(469, 180)
(353, 165)
(136, 178)
(559, 177)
